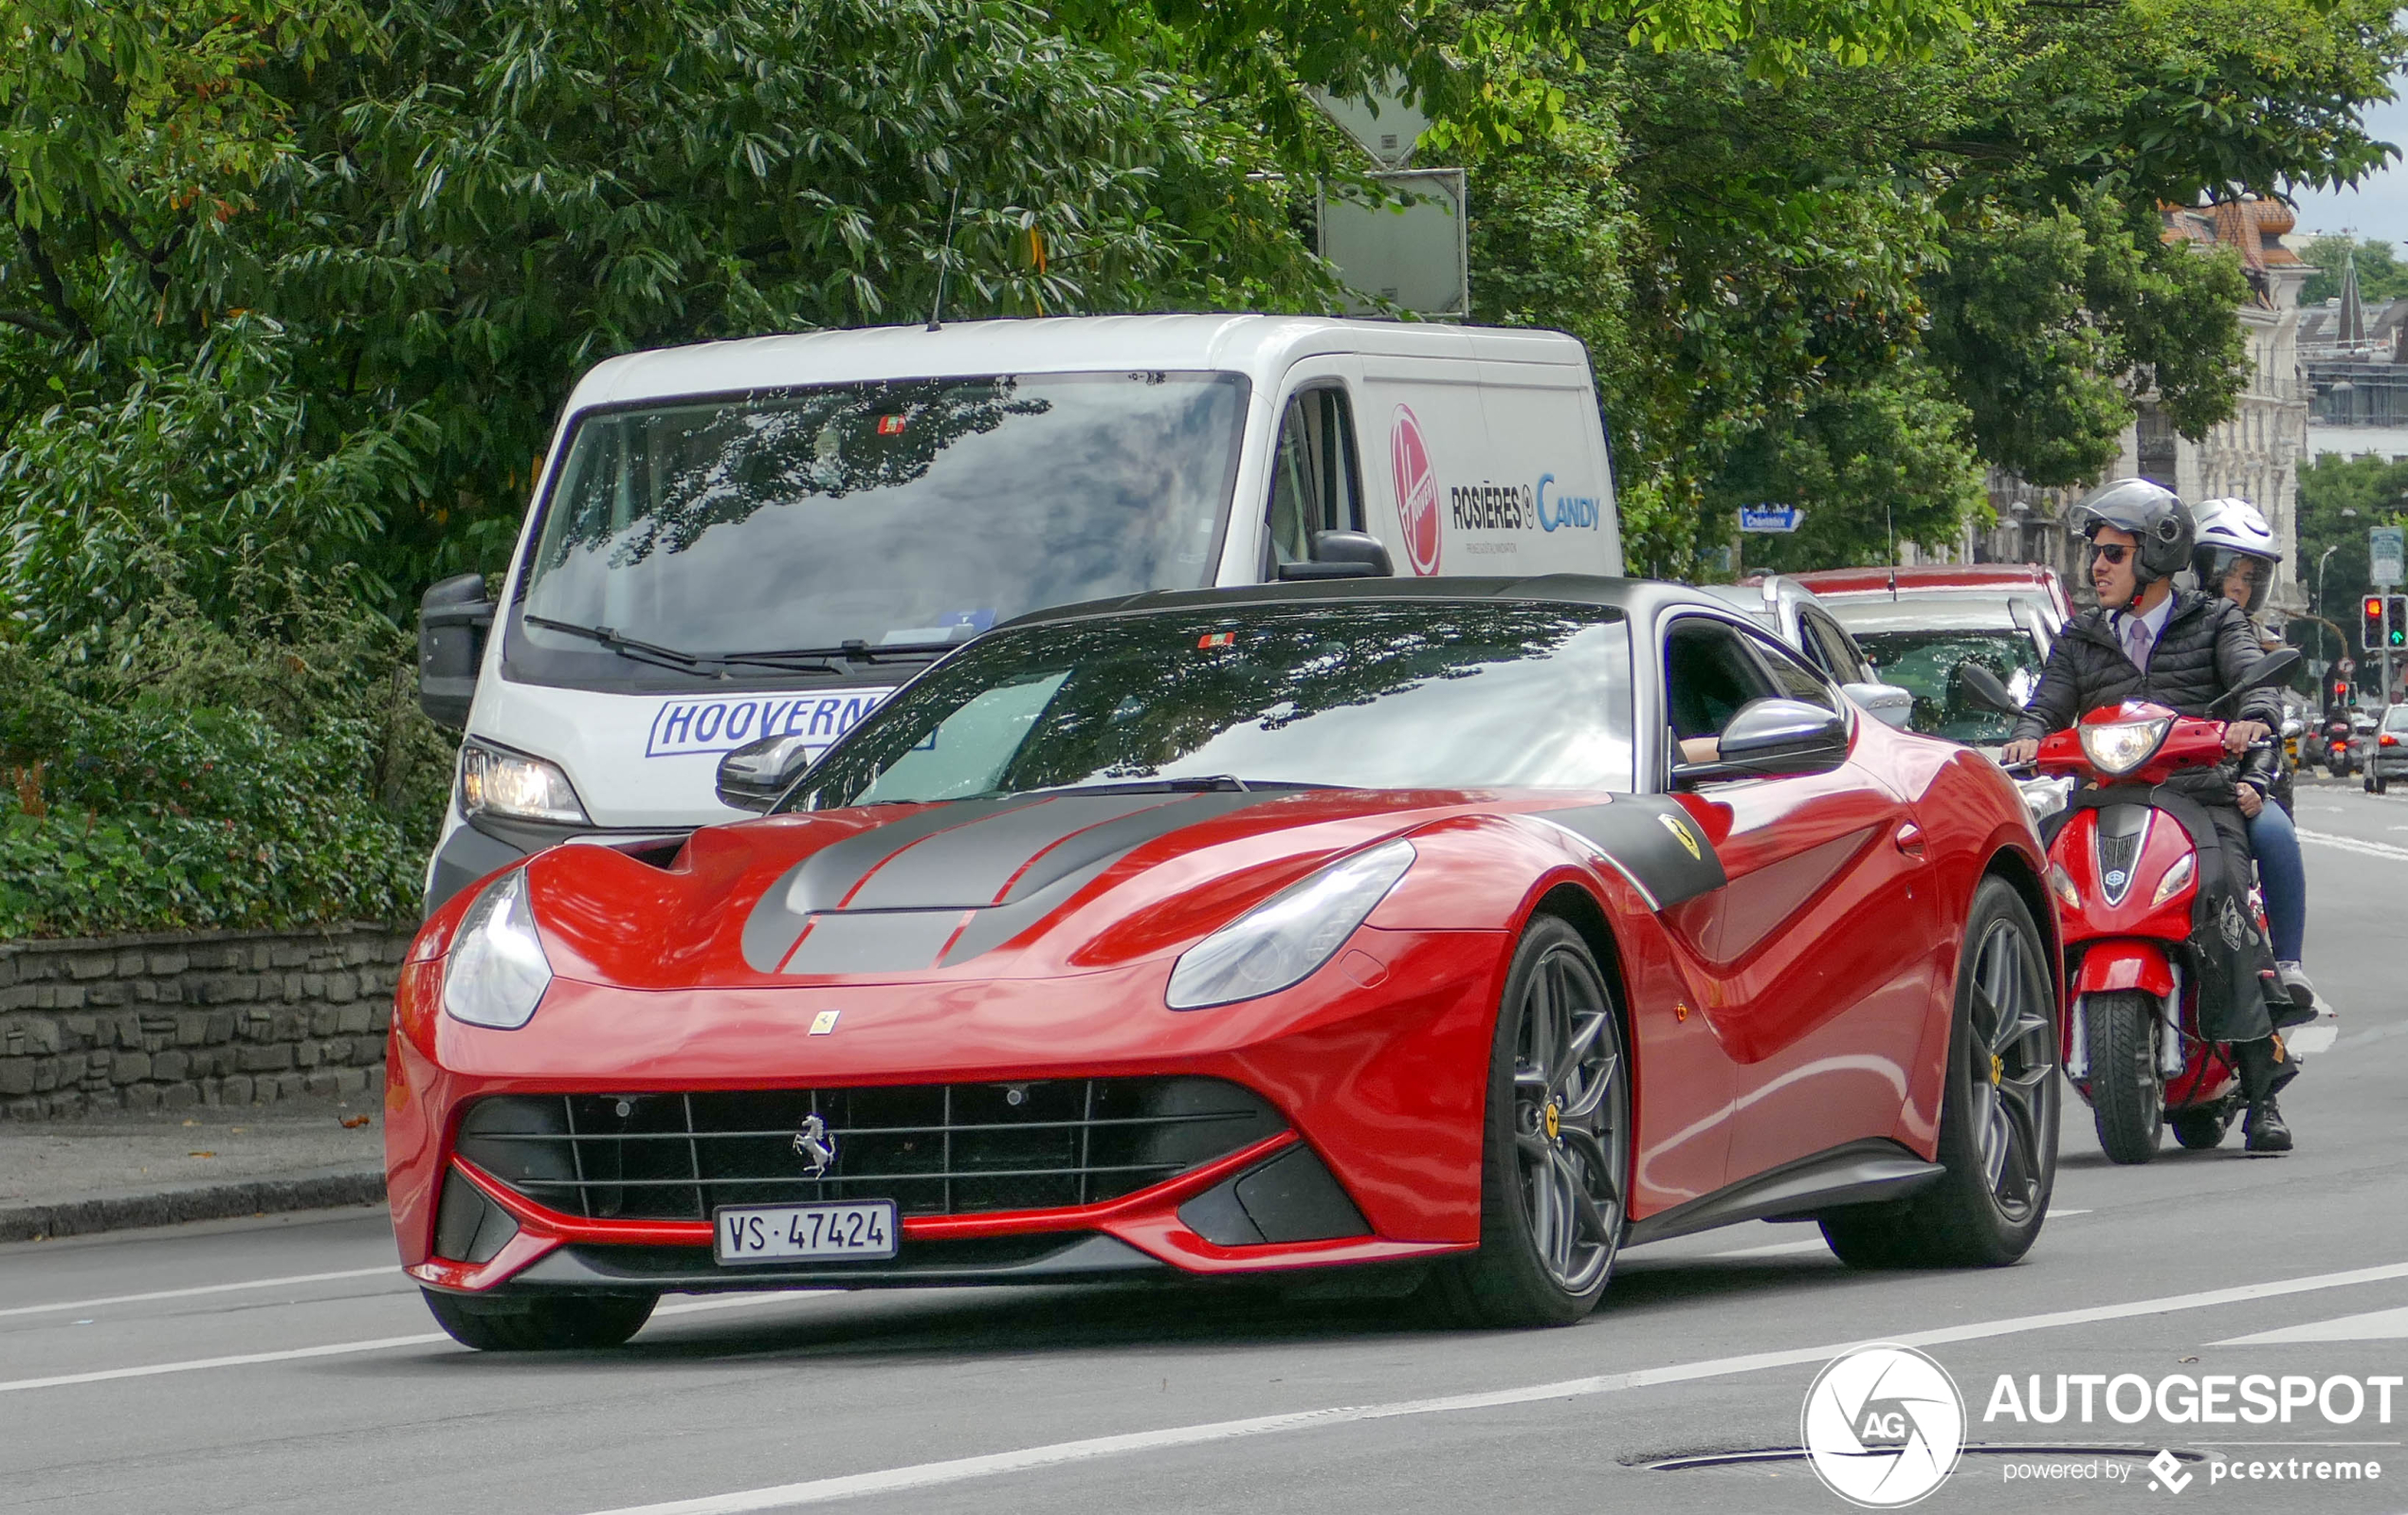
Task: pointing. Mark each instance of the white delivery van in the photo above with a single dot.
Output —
(760, 539)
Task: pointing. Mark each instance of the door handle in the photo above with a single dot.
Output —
(1909, 840)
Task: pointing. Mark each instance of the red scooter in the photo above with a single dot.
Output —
(2125, 878)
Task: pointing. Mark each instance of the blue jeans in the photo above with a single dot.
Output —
(2282, 877)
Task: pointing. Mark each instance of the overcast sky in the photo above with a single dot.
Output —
(2378, 208)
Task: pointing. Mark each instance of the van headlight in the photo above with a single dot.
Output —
(496, 972)
(2117, 747)
(494, 781)
(1281, 940)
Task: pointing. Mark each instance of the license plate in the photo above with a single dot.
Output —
(774, 1233)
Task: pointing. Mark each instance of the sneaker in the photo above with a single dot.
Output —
(2295, 983)
(2265, 1128)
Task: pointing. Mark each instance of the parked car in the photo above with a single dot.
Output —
(1789, 610)
(1469, 928)
(2387, 749)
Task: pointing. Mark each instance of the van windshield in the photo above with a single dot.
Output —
(911, 513)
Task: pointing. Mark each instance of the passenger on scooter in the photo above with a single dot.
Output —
(2184, 650)
(2235, 556)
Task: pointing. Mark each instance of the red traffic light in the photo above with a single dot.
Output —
(2374, 607)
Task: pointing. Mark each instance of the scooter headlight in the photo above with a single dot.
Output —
(2178, 877)
(2117, 747)
(1281, 940)
(497, 973)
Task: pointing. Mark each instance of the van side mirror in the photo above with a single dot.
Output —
(756, 775)
(1342, 554)
(1885, 702)
(1979, 688)
(453, 618)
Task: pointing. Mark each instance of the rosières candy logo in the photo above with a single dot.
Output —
(1416, 491)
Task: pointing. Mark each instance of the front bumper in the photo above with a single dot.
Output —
(1378, 1088)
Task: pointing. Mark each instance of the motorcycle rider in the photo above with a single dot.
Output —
(2183, 649)
(2234, 557)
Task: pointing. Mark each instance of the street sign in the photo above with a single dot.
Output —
(2347, 665)
(2383, 545)
(1416, 255)
(1770, 518)
(1382, 125)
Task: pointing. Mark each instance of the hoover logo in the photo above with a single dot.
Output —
(1416, 491)
(1883, 1426)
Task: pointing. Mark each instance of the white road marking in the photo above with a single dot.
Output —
(385, 1343)
(2376, 1325)
(390, 1269)
(960, 1469)
(2352, 844)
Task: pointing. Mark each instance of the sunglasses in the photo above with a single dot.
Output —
(2112, 553)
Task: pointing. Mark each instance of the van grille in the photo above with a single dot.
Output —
(934, 1149)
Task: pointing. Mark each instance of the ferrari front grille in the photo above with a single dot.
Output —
(934, 1149)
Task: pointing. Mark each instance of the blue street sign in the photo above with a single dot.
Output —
(1770, 518)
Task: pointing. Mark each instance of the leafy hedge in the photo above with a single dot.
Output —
(205, 778)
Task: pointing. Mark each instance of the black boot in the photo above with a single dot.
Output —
(2263, 1069)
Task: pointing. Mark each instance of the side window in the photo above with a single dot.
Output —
(1316, 478)
(1793, 678)
(1832, 650)
(1708, 673)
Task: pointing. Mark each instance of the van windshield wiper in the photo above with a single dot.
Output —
(854, 649)
(669, 657)
(1185, 783)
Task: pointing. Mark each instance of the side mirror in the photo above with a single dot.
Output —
(1885, 702)
(756, 775)
(1770, 737)
(1977, 686)
(2273, 669)
(453, 618)
(1342, 554)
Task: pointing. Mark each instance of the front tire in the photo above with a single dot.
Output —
(540, 1322)
(1556, 1150)
(1997, 1112)
(2127, 1099)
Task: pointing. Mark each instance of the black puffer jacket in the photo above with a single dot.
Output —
(2207, 645)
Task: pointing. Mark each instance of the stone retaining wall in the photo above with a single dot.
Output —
(174, 1021)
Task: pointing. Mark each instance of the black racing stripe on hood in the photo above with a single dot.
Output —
(1653, 840)
(874, 940)
(968, 867)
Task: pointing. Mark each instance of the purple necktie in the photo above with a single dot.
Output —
(2136, 641)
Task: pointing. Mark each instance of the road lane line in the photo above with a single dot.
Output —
(384, 1344)
(2376, 1325)
(2352, 844)
(960, 1469)
(390, 1269)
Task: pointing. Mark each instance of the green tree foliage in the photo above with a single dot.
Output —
(2382, 275)
(2375, 490)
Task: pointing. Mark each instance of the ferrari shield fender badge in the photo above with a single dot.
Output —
(1651, 841)
(816, 1146)
(825, 1022)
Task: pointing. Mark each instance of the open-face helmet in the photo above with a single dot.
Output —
(2231, 536)
(2153, 513)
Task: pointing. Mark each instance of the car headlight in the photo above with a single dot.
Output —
(1281, 940)
(497, 973)
(2044, 797)
(494, 782)
(2117, 747)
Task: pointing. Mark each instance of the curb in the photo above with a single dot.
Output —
(322, 1189)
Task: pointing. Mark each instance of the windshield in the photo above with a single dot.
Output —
(1924, 662)
(1360, 695)
(911, 513)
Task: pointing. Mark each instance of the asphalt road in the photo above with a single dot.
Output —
(286, 1365)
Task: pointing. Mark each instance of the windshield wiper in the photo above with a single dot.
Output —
(852, 650)
(669, 657)
(1186, 783)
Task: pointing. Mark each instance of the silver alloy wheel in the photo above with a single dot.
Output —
(2015, 1089)
(1571, 1119)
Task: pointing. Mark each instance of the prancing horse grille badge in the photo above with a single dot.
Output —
(815, 1145)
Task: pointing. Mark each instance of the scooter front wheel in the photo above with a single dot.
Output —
(2127, 1099)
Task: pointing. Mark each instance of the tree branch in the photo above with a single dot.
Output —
(33, 321)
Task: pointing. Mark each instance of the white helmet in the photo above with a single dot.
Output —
(2231, 533)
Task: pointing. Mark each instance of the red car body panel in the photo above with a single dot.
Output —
(1804, 1005)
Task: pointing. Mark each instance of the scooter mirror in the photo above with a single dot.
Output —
(2270, 669)
(1978, 685)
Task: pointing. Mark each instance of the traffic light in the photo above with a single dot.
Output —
(2374, 629)
(2396, 628)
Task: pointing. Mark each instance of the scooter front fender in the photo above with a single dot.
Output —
(2113, 965)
